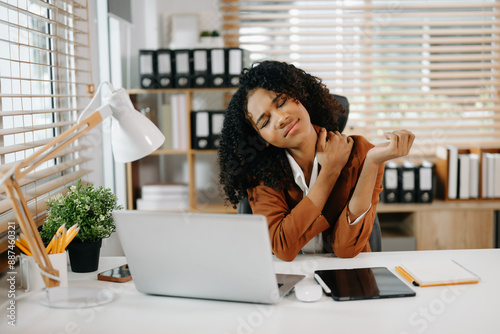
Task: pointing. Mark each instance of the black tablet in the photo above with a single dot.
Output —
(362, 283)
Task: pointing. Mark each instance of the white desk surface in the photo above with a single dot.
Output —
(472, 308)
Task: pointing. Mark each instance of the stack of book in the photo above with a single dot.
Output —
(164, 197)
(468, 172)
(173, 122)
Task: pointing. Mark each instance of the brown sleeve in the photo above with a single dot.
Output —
(289, 230)
(350, 240)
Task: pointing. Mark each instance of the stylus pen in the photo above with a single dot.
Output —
(323, 285)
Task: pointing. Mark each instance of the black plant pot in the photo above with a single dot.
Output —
(84, 256)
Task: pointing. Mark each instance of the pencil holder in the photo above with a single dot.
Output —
(31, 279)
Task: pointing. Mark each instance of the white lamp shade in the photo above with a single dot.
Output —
(133, 135)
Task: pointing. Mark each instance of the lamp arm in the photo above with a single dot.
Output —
(50, 150)
(28, 226)
(18, 201)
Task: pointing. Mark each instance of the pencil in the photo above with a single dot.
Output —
(23, 241)
(406, 275)
(22, 248)
(70, 237)
(51, 246)
(59, 243)
(63, 238)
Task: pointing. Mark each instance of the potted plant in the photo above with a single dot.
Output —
(211, 39)
(91, 208)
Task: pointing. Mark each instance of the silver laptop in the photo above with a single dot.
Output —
(202, 255)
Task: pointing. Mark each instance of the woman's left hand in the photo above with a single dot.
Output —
(399, 145)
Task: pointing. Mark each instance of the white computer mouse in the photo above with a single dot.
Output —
(308, 292)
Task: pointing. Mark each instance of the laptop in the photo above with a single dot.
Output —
(202, 255)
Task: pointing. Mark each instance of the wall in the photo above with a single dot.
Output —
(151, 27)
(96, 164)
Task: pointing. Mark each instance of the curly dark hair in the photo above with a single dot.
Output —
(244, 159)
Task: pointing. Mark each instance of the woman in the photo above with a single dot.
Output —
(281, 148)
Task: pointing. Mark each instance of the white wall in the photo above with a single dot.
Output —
(95, 151)
(151, 30)
(207, 11)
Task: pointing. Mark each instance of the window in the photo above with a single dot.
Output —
(430, 67)
(44, 81)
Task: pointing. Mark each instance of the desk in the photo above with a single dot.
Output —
(449, 309)
(441, 224)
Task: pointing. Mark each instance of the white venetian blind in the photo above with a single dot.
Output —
(428, 66)
(44, 81)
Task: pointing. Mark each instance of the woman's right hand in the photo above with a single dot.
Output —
(333, 150)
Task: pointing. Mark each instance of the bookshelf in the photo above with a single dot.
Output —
(450, 176)
(196, 168)
(440, 224)
(448, 222)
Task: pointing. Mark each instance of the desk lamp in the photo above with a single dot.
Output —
(133, 136)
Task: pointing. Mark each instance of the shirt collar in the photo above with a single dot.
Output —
(298, 174)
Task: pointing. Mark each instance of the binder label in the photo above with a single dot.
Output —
(182, 62)
(200, 60)
(235, 61)
(202, 119)
(391, 179)
(218, 62)
(146, 63)
(408, 180)
(164, 63)
(425, 178)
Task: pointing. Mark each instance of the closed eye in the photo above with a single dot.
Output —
(265, 122)
(282, 102)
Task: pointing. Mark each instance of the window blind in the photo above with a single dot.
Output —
(431, 67)
(45, 79)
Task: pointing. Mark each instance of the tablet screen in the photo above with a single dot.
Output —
(362, 283)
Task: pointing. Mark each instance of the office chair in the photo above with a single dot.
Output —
(376, 235)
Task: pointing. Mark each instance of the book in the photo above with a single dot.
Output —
(484, 176)
(447, 170)
(496, 174)
(165, 189)
(436, 272)
(474, 176)
(166, 126)
(179, 121)
(463, 176)
(485, 154)
(162, 205)
(489, 161)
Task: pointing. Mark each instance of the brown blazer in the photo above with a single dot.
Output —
(293, 220)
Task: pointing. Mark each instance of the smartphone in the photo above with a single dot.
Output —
(119, 274)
